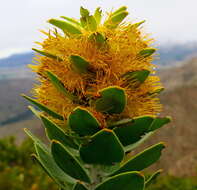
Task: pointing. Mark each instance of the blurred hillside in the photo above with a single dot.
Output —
(180, 102)
(179, 99)
(17, 60)
(15, 66)
(14, 114)
(171, 55)
(12, 105)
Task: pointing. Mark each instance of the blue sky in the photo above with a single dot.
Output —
(166, 20)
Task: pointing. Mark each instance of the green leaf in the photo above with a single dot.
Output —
(104, 148)
(136, 76)
(48, 54)
(83, 122)
(124, 181)
(87, 21)
(119, 17)
(47, 162)
(62, 184)
(79, 186)
(84, 12)
(98, 15)
(146, 52)
(34, 111)
(142, 160)
(56, 133)
(36, 140)
(159, 122)
(79, 64)
(60, 87)
(98, 38)
(158, 91)
(115, 19)
(91, 23)
(73, 21)
(135, 25)
(37, 160)
(83, 22)
(113, 100)
(112, 125)
(121, 9)
(68, 163)
(44, 108)
(131, 147)
(152, 178)
(65, 26)
(132, 130)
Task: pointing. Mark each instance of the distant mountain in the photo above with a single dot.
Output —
(168, 54)
(15, 66)
(182, 75)
(17, 60)
(13, 107)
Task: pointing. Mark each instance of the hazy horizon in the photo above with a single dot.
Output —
(170, 21)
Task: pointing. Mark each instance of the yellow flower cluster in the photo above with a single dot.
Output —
(109, 61)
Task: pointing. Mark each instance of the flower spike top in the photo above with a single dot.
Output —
(102, 66)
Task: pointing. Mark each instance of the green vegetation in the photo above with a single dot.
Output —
(174, 183)
(18, 171)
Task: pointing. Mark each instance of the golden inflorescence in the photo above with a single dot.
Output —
(108, 63)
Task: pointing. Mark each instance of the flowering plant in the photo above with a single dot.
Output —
(98, 100)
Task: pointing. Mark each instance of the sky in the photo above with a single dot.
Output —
(168, 21)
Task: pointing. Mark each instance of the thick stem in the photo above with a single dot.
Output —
(96, 175)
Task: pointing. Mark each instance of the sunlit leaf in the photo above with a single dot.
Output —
(123, 181)
(142, 160)
(98, 15)
(60, 87)
(47, 54)
(65, 26)
(44, 108)
(68, 163)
